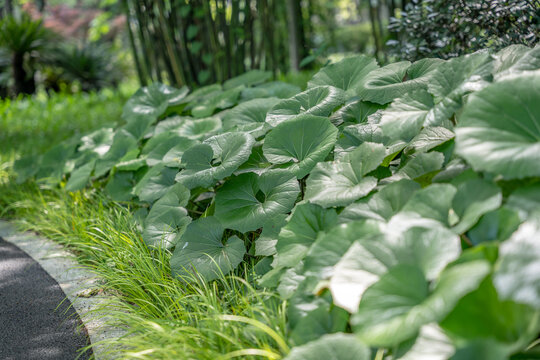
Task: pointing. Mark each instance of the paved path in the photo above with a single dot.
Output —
(36, 319)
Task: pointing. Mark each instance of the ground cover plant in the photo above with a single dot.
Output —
(395, 210)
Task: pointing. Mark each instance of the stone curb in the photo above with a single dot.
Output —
(76, 281)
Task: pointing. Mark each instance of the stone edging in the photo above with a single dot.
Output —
(76, 281)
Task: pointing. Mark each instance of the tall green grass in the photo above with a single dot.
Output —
(164, 317)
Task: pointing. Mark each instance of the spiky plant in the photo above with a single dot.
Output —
(22, 37)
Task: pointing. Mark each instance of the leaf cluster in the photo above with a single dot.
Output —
(399, 203)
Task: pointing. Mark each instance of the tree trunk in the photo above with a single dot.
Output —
(296, 34)
(140, 73)
(24, 83)
(373, 17)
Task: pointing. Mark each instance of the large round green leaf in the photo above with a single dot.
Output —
(202, 250)
(153, 101)
(517, 277)
(278, 89)
(99, 141)
(387, 83)
(473, 199)
(404, 118)
(482, 314)
(167, 220)
(341, 182)
(432, 202)
(245, 202)
(218, 100)
(302, 228)
(214, 159)
(337, 346)
(155, 183)
(167, 141)
(400, 303)
(148, 104)
(122, 144)
(320, 101)
(330, 247)
(80, 177)
(248, 115)
(355, 112)
(348, 74)
(499, 130)
(302, 142)
(382, 205)
(199, 128)
(405, 240)
(249, 78)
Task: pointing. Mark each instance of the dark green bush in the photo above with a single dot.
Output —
(448, 29)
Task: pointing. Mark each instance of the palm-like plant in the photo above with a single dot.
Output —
(23, 36)
(91, 65)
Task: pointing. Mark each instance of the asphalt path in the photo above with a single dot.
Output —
(37, 321)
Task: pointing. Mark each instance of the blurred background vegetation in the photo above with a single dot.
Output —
(75, 46)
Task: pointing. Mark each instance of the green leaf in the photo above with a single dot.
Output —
(404, 118)
(168, 219)
(421, 168)
(433, 202)
(80, 177)
(382, 205)
(337, 346)
(155, 183)
(406, 240)
(265, 245)
(123, 143)
(400, 303)
(329, 248)
(148, 104)
(529, 61)
(248, 115)
(499, 130)
(245, 202)
(395, 80)
(311, 317)
(98, 141)
(53, 161)
(215, 100)
(295, 238)
(165, 141)
(201, 250)
(199, 128)
(525, 200)
(517, 277)
(302, 142)
(250, 78)
(342, 182)
(428, 139)
(454, 79)
(506, 58)
(173, 157)
(278, 89)
(320, 101)
(348, 74)
(120, 186)
(356, 112)
(482, 315)
(214, 159)
(431, 344)
(473, 199)
(495, 225)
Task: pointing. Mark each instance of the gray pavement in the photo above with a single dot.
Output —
(36, 319)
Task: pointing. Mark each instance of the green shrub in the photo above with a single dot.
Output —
(398, 203)
(448, 29)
